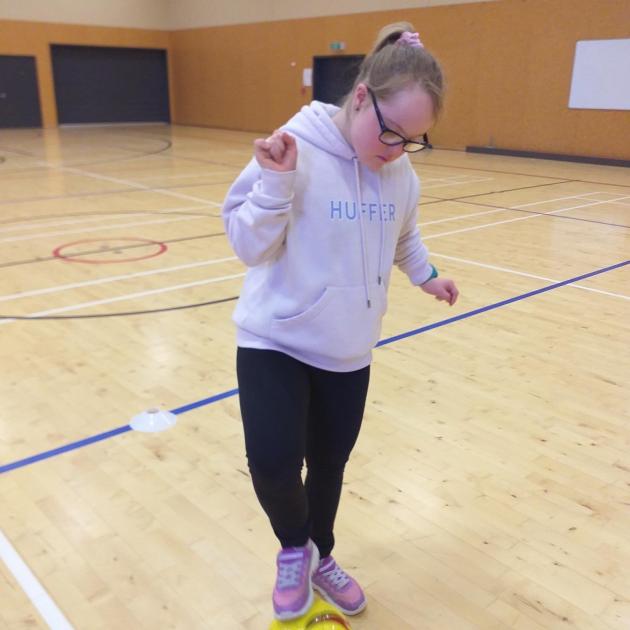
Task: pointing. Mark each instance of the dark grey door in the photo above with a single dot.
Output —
(333, 76)
(105, 85)
(19, 96)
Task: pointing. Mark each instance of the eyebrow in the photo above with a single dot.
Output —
(416, 138)
(388, 122)
(396, 127)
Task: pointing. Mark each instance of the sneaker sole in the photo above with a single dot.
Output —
(287, 616)
(330, 600)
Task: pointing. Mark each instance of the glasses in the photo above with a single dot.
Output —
(391, 138)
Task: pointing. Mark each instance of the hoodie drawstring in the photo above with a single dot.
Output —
(382, 246)
(364, 254)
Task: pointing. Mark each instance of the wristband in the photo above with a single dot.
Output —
(434, 274)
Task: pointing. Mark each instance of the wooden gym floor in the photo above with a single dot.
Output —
(490, 488)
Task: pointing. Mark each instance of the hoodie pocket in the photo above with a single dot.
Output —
(338, 325)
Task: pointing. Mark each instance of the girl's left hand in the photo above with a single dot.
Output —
(443, 289)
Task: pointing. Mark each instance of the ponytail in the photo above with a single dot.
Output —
(393, 65)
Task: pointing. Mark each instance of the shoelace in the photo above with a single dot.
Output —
(337, 577)
(289, 574)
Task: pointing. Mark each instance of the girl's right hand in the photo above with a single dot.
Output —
(277, 153)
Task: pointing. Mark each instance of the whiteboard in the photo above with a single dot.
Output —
(601, 74)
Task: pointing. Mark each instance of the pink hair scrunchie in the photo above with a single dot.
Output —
(410, 39)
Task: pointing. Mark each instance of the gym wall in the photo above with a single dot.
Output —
(152, 14)
(508, 62)
(196, 13)
(35, 38)
(508, 65)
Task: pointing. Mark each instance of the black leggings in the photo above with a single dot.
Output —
(291, 412)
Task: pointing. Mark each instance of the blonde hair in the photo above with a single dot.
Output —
(391, 67)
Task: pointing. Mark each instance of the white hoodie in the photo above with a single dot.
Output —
(320, 243)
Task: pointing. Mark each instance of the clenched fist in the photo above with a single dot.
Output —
(442, 289)
(277, 153)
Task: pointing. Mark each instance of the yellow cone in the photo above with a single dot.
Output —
(321, 616)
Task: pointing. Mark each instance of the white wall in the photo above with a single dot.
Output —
(197, 13)
(151, 14)
(180, 14)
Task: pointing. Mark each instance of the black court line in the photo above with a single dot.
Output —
(557, 157)
(231, 181)
(498, 192)
(549, 214)
(17, 151)
(488, 170)
(132, 189)
(168, 145)
(244, 143)
(233, 392)
(113, 213)
(557, 180)
(120, 314)
(239, 167)
(483, 170)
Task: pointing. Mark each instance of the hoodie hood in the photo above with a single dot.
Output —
(314, 124)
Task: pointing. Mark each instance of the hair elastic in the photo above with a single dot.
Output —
(410, 39)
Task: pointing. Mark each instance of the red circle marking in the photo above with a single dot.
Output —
(57, 251)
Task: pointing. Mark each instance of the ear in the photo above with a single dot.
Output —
(360, 96)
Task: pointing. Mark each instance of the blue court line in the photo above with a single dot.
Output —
(201, 403)
(233, 392)
(491, 307)
(64, 449)
(108, 434)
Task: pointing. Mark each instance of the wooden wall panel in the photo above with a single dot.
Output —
(525, 77)
(508, 66)
(34, 38)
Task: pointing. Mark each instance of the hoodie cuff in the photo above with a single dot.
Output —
(424, 274)
(277, 184)
(434, 273)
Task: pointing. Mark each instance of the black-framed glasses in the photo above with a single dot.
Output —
(392, 138)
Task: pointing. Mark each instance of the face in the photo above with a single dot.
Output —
(408, 112)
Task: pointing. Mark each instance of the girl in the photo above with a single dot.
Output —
(320, 215)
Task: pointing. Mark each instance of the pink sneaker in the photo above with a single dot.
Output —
(293, 593)
(337, 587)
